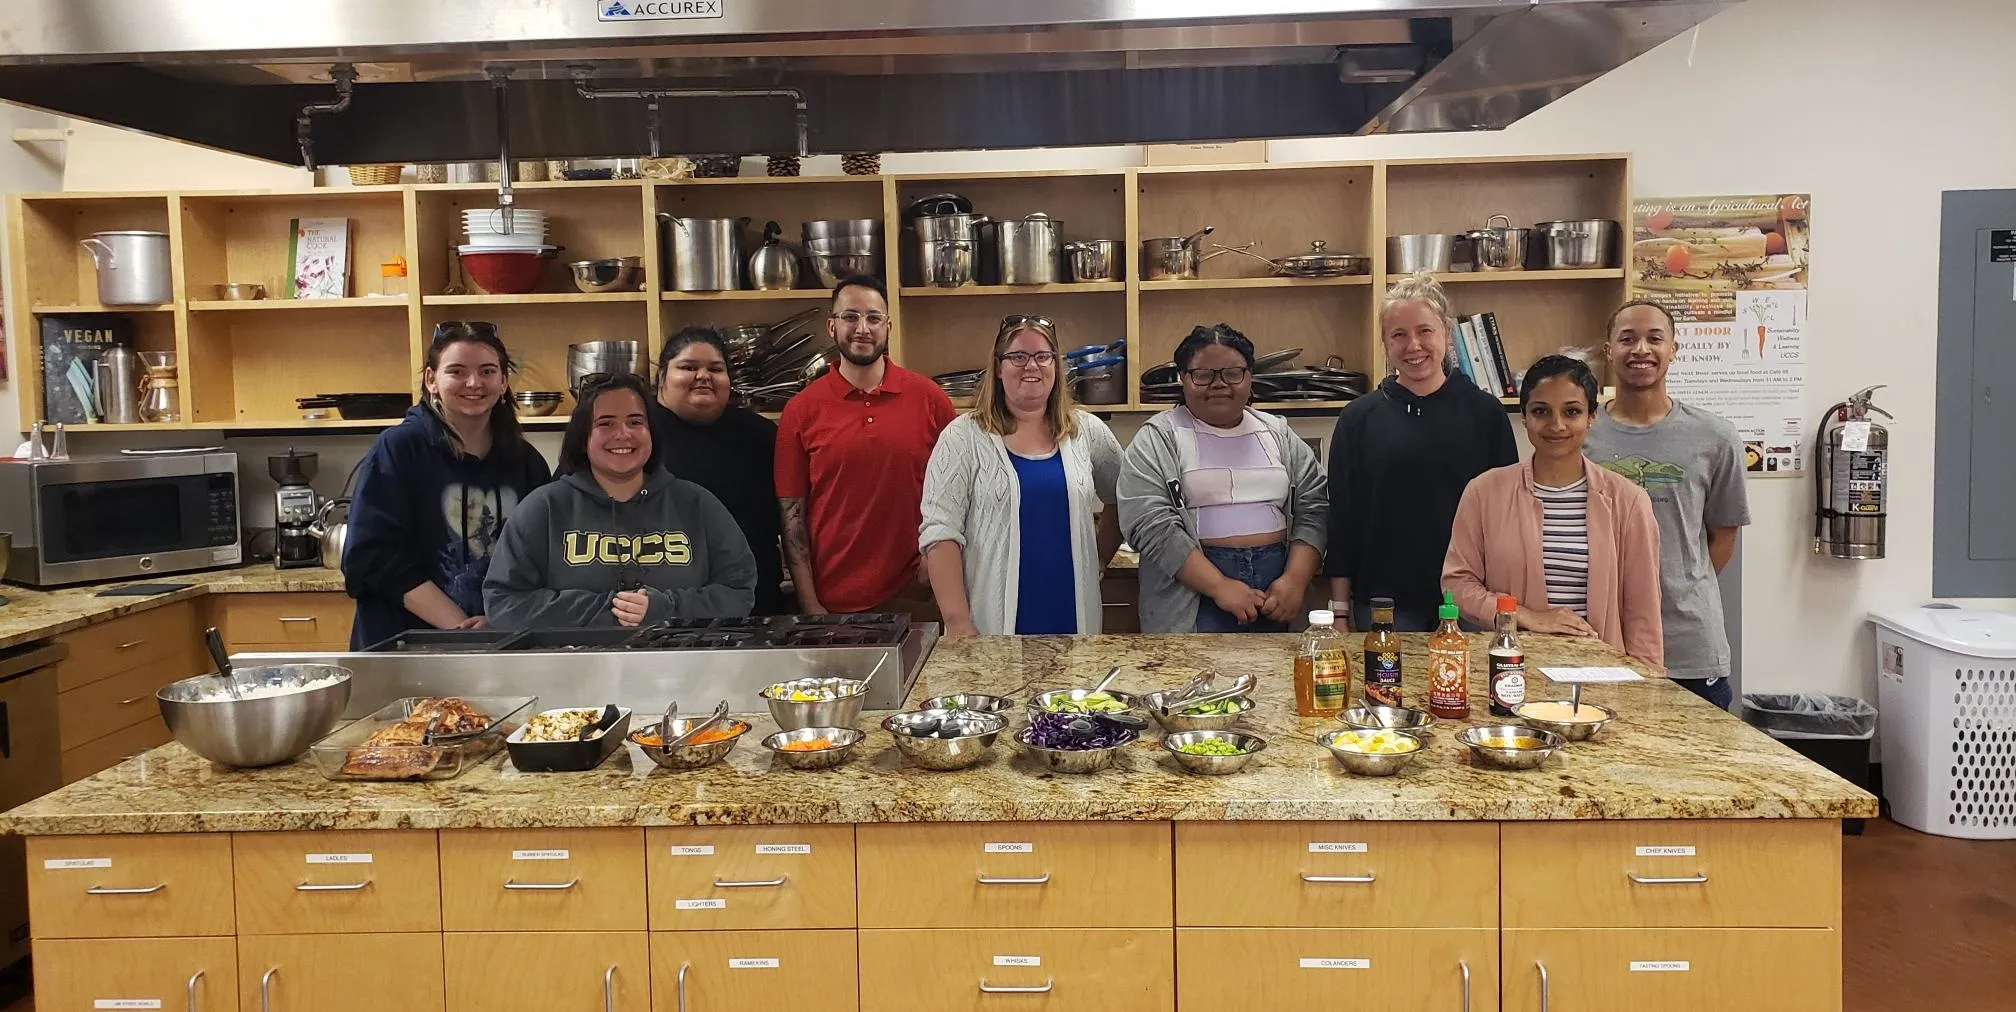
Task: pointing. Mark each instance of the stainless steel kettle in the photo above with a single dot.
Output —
(117, 379)
(774, 266)
(332, 535)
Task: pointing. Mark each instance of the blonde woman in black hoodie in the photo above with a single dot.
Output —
(1400, 458)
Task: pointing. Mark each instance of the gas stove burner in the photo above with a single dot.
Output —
(837, 636)
(872, 619)
(690, 639)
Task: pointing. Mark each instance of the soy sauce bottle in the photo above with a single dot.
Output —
(1508, 661)
(1382, 657)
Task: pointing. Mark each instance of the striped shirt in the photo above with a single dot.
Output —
(1564, 543)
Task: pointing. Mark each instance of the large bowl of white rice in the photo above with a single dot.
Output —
(276, 713)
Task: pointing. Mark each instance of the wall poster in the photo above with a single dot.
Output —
(1732, 271)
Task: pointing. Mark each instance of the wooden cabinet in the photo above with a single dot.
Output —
(105, 708)
(1015, 874)
(167, 633)
(276, 622)
(1785, 970)
(337, 882)
(1434, 970)
(737, 971)
(1325, 874)
(575, 971)
(718, 878)
(1702, 873)
(80, 975)
(1041, 969)
(101, 754)
(542, 880)
(139, 886)
(340, 973)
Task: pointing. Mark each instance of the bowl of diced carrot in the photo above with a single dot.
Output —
(814, 748)
(704, 749)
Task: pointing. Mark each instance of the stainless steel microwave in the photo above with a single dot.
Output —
(112, 517)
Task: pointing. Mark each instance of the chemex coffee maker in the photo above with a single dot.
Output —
(294, 509)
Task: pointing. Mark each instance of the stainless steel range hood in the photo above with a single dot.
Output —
(874, 75)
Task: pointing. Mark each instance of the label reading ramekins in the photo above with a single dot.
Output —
(1337, 848)
(693, 850)
(539, 855)
(1665, 852)
(1334, 963)
(1660, 966)
(1018, 960)
(753, 963)
(74, 863)
(715, 904)
(339, 858)
(783, 848)
(1009, 848)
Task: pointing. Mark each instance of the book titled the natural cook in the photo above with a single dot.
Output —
(320, 254)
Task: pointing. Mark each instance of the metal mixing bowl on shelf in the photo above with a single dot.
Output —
(609, 274)
(1249, 745)
(273, 719)
(536, 402)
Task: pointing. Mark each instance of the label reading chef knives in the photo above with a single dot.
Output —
(1665, 851)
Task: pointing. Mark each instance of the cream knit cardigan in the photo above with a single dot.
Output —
(971, 498)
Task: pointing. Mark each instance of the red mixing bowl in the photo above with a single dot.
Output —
(509, 272)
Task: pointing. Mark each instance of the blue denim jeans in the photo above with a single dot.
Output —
(1715, 690)
(1255, 567)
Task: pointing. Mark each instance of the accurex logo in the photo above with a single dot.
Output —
(657, 10)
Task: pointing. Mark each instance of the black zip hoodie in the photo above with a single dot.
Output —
(1398, 466)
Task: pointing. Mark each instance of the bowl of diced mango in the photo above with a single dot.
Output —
(1371, 753)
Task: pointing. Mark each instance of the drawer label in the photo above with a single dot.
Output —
(1337, 848)
(746, 963)
(1009, 848)
(1665, 852)
(1332, 963)
(539, 855)
(73, 863)
(1018, 960)
(699, 904)
(693, 850)
(783, 848)
(127, 1003)
(339, 859)
(1660, 966)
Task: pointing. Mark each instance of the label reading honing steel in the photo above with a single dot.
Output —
(699, 904)
(763, 963)
(539, 855)
(1665, 852)
(1330, 963)
(126, 1003)
(783, 848)
(73, 863)
(1018, 960)
(693, 850)
(1337, 848)
(339, 858)
(1660, 966)
(1009, 848)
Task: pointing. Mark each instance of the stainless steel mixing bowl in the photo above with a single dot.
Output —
(260, 730)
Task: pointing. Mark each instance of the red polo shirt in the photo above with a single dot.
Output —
(857, 457)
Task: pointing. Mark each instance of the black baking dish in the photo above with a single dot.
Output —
(567, 756)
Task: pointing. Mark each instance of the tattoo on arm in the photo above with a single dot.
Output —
(797, 539)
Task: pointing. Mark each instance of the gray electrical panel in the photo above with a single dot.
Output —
(1974, 476)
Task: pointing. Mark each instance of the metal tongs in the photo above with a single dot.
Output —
(720, 714)
(1240, 686)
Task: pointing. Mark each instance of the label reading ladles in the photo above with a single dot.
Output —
(749, 963)
(127, 1003)
(1660, 966)
(1009, 848)
(783, 848)
(1332, 963)
(693, 850)
(73, 863)
(1337, 848)
(1665, 852)
(1018, 960)
(539, 855)
(339, 858)
(699, 904)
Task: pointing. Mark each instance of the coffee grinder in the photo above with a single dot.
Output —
(294, 505)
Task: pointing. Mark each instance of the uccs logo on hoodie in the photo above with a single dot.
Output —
(592, 548)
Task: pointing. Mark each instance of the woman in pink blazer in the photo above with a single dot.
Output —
(1577, 545)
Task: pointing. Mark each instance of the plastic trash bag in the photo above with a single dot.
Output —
(1809, 715)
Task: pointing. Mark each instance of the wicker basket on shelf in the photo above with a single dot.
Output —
(374, 175)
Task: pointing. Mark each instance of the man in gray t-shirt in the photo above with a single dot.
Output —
(1690, 462)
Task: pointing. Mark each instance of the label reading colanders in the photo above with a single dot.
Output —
(126, 1003)
(1665, 852)
(1334, 963)
(783, 848)
(1009, 848)
(339, 858)
(1018, 960)
(699, 904)
(693, 850)
(74, 863)
(753, 963)
(539, 855)
(1337, 848)
(1660, 966)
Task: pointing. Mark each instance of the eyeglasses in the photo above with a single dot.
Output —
(874, 321)
(1025, 359)
(1010, 324)
(1233, 375)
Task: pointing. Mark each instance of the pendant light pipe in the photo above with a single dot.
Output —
(500, 86)
(652, 96)
(343, 76)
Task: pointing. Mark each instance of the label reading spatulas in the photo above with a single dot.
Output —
(74, 863)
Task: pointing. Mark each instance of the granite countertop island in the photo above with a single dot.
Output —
(32, 614)
(1669, 756)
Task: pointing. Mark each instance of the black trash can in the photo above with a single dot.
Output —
(1834, 731)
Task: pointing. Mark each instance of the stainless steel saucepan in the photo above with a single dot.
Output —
(1175, 258)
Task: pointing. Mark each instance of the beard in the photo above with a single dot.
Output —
(847, 352)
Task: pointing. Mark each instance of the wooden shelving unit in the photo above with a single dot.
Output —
(244, 363)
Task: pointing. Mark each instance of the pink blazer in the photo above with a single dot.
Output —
(1495, 549)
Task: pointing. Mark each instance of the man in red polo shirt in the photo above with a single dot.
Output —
(851, 450)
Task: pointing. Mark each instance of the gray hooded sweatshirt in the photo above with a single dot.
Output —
(569, 548)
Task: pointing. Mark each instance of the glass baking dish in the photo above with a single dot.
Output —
(342, 755)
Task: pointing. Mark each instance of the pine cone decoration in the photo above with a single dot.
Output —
(717, 166)
(782, 165)
(861, 164)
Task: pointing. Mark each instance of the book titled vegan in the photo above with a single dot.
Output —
(319, 251)
(72, 344)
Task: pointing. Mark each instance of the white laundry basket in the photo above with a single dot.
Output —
(1946, 687)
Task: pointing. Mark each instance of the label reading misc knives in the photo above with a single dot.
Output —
(753, 963)
(1660, 966)
(1009, 848)
(73, 863)
(1665, 852)
(699, 904)
(783, 848)
(1018, 960)
(339, 858)
(126, 1003)
(693, 850)
(539, 855)
(1337, 848)
(1333, 963)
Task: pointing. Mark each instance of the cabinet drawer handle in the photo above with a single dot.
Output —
(1338, 879)
(135, 699)
(1695, 879)
(266, 990)
(1464, 965)
(135, 891)
(1042, 879)
(538, 886)
(757, 883)
(1043, 988)
(608, 989)
(683, 967)
(130, 644)
(331, 887)
(1542, 967)
(192, 990)
(297, 618)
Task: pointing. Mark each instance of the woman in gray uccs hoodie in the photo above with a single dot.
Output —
(573, 546)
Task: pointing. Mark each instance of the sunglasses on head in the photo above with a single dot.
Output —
(1010, 324)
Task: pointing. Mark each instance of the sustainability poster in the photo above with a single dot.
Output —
(1732, 271)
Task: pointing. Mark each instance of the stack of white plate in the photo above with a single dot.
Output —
(485, 227)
